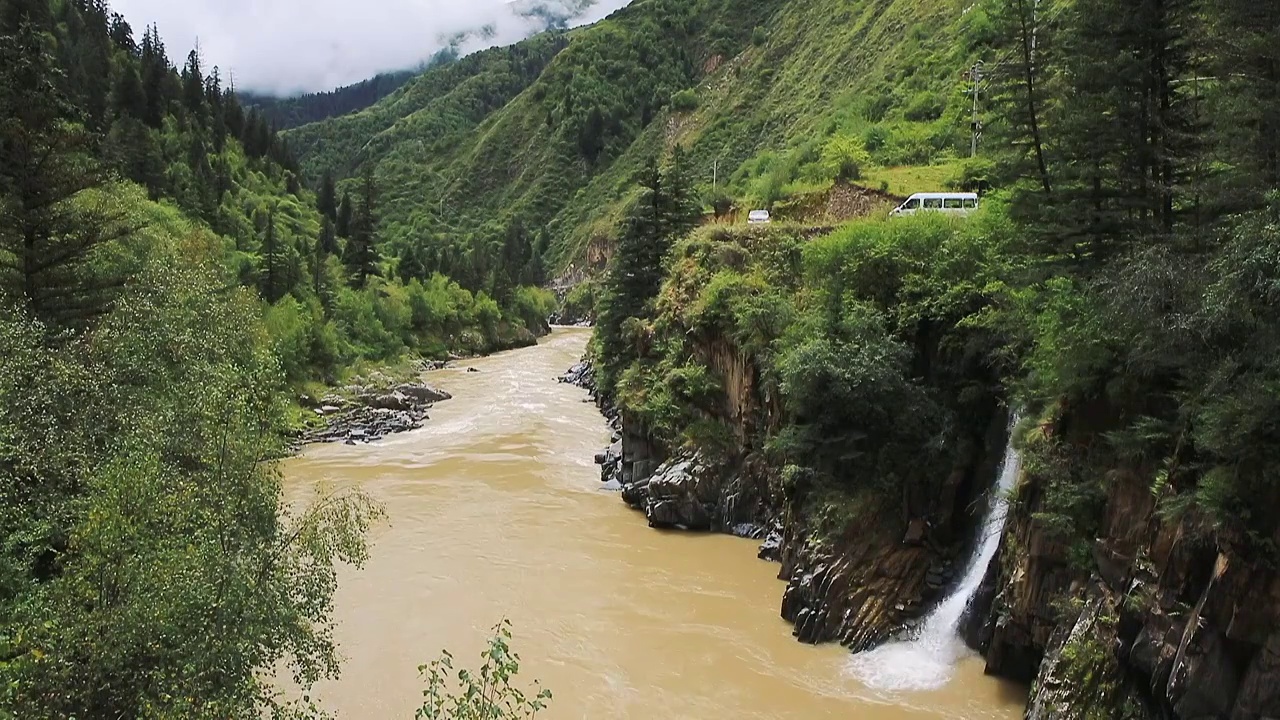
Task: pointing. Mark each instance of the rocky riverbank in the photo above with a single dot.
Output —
(859, 591)
(369, 412)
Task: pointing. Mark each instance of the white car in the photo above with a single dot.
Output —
(954, 203)
(758, 217)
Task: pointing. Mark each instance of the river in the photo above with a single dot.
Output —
(495, 510)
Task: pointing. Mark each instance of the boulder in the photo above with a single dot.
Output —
(683, 493)
(771, 548)
(423, 393)
(636, 495)
(388, 401)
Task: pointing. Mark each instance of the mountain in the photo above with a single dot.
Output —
(285, 113)
(748, 87)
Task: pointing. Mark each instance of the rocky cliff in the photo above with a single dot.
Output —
(1165, 617)
(1159, 621)
(873, 581)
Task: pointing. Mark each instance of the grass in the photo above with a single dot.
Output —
(905, 180)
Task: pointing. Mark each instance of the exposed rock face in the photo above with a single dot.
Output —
(689, 493)
(858, 595)
(1197, 626)
(859, 590)
(1081, 676)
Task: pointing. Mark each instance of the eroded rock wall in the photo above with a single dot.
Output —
(1190, 625)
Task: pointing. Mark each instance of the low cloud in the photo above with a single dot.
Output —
(290, 46)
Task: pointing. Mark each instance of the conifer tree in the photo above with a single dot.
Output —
(362, 246)
(155, 71)
(1017, 87)
(327, 199)
(272, 261)
(343, 221)
(665, 211)
(48, 242)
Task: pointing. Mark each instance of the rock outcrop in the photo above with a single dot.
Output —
(365, 415)
(1167, 623)
(689, 493)
(859, 590)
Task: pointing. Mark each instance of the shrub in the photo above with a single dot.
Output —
(487, 694)
(844, 157)
(685, 100)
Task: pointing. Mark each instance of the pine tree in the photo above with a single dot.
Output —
(362, 246)
(1017, 88)
(272, 261)
(193, 90)
(128, 99)
(327, 199)
(535, 270)
(328, 239)
(343, 221)
(48, 242)
(155, 72)
(1123, 129)
(1244, 50)
(122, 35)
(682, 210)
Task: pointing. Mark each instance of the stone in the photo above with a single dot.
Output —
(423, 393)
(681, 494)
(771, 548)
(915, 532)
(636, 495)
(389, 401)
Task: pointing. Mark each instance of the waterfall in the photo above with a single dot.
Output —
(925, 662)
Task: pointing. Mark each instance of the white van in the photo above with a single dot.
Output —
(956, 203)
(758, 217)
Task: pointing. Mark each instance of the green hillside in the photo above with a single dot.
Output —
(551, 132)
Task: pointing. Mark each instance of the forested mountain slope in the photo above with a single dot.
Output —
(168, 285)
(851, 387)
(550, 134)
(290, 112)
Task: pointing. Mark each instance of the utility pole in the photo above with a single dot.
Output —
(975, 74)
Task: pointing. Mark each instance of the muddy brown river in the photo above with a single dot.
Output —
(495, 510)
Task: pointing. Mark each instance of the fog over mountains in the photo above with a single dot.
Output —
(284, 47)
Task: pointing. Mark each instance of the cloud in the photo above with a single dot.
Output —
(290, 46)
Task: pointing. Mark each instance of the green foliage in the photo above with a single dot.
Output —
(149, 332)
(554, 131)
(685, 101)
(485, 694)
(580, 302)
(664, 212)
(151, 568)
(844, 158)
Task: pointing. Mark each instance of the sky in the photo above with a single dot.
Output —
(289, 46)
